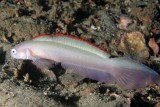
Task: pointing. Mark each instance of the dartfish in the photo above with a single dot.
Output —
(86, 60)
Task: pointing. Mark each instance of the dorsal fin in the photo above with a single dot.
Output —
(73, 42)
(43, 37)
(81, 44)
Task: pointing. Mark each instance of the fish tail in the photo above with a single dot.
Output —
(131, 74)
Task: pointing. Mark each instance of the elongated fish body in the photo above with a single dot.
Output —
(86, 60)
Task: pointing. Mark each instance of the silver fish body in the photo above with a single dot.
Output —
(86, 60)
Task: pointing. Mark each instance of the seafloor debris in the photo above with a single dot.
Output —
(27, 79)
(154, 46)
(16, 72)
(123, 22)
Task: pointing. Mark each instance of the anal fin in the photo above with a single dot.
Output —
(91, 73)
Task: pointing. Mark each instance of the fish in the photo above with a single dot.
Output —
(85, 59)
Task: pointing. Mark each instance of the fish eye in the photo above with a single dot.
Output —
(13, 51)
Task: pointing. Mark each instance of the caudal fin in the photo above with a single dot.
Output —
(130, 74)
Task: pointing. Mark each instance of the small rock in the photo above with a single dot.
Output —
(133, 44)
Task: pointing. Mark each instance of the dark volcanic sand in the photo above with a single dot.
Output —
(122, 27)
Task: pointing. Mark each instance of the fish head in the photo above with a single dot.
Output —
(20, 51)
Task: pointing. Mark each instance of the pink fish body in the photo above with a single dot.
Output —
(86, 60)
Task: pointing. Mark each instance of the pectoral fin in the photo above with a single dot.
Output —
(43, 63)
